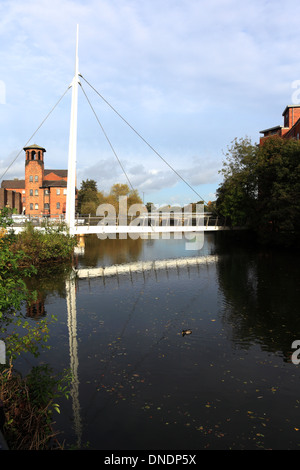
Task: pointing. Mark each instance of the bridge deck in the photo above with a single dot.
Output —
(167, 223)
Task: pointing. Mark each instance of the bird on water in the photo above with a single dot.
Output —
(186, 332)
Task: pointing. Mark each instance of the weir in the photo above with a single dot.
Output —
(143, 266)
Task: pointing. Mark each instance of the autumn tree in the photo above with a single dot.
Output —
(118, 190)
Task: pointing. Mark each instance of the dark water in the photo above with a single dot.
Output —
(139, 384)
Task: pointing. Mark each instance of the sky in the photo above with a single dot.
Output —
(189, 76)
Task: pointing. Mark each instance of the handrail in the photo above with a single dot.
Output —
(151, 218)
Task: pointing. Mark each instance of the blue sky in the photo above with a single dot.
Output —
(188, 75)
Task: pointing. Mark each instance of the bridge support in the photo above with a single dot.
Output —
(71, 185)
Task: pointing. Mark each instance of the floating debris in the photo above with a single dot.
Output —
(186, 332)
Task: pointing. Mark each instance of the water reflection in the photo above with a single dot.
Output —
(73, 351)
(261, 292)
(93, 252)
(108, 251)
(135, 370)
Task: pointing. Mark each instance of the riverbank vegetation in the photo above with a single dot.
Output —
(261, 189)
(27, 403)
(52, 245)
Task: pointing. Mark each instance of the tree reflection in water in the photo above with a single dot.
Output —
(261, 290)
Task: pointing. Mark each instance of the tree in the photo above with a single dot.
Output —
(261, 188)
(118, 190)
(278, 173)
(88, 197)
(236, 196)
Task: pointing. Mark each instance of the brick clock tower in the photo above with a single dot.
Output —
(34, 177)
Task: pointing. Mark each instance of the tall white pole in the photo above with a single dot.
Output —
(70, 206)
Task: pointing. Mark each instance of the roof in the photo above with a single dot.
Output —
(53, 184)
(271, 129)
(61, 173)
(34, 146)
(13, 184)
(290, 106)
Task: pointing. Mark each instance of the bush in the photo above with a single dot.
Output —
(52, 244)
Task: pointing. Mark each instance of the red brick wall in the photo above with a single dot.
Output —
(11, 198)
(34, 169)
(55, 199)
(291, 116)
(294, 133)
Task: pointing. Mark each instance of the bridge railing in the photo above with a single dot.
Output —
(39, 220)
(148, 219)
(161, 219)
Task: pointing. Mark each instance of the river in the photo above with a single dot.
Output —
(139, 383)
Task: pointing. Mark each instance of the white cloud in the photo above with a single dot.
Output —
(189, 76)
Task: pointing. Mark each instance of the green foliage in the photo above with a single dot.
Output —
(88, 197)
(29, 404)
(45, 387)
(261, 188)
(40, 247)
(13, 290)
(36, 395)
(237, 194)
(25, 337)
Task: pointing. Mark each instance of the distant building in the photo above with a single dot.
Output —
(290, 128)
(43, 192)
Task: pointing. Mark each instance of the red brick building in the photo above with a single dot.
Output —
(43, 192)
(290, 128)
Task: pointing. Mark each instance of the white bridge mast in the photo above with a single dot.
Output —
(71, 184)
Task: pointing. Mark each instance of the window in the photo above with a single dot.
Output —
(23, 192)
(30, 178)
(36, 192)
(65, 191)
(36, 178)
(58, 205)
(58, 191)
(286, 120)
(36, 206)
(31, 192)
(46, 206)
(46, 192)
(31, 207)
